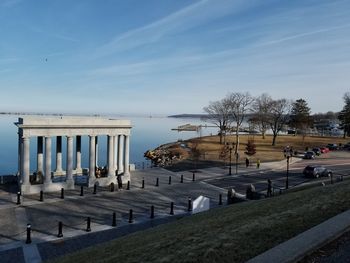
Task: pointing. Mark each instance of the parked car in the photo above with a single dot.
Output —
(317, 151)
(324, 150)
(347, 146)
(309, 155)
(316, 171)
(332, 146)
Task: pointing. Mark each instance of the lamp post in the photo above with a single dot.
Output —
(237, 156)
(287, 172)
(229, 170)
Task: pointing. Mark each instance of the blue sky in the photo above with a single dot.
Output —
(170, 56)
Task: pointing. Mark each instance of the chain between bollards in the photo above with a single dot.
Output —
(114, 219)
(41, 199)
(152, 212)
(29, 230)
(131, 218)
(62, 193)
(157, 181)
(60, 226)
(172, 208)
(81, 190)
(88, 224)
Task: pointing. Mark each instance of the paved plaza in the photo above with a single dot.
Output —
(74, 209)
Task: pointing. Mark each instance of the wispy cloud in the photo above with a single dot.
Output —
(9, 3)
(55, 35)
(187, 18)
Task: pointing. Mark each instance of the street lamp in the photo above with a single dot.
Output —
(237, 156)
(287, 171)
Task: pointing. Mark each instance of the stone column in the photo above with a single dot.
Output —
(25, 163)
(69, 170)
(59, 154)
(92, 161)
(40, 155)
(19, 172)
(96, 151)
(120, 154)
(110, 156)
(115, 152)
(47, 160)
(126, 157)
(78, 155)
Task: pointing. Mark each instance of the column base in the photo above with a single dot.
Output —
(70, 183)
(48, 187)
(126, 177)
(78, 171)
(26, 188)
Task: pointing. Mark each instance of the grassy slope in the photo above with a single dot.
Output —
(228, 234)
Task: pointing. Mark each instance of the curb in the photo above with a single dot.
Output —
(299, 246)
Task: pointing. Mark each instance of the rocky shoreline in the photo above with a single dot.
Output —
(167, 154)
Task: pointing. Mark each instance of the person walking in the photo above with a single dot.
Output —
(246, 162)
(258, 164)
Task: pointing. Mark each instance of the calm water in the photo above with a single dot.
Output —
(147, 133)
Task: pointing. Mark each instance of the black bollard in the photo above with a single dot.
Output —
(189, 207)
(62, 193)
(152, 212)
(88, 224)
(143, 183)
(182, 178)
(220, 199)
(41, 196)
(128, 186)
(29, 230)
(112, 187)
(172, 208)
(157, 182)
(60, 226)
(114, 219)
(131, 218)
(169, 179)
(143, 165)
(95, 189)
(193, 177)
(81, 190)
(18, 198)
(331, 178)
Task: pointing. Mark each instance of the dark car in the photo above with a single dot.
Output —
(316, 171)
(309, 155)
(317, 151)
(333, 146)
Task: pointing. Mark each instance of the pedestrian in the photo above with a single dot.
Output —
(246, 162)
(258, 164)
(269, 188)
(120, 182)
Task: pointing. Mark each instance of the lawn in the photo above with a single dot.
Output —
(233, 233)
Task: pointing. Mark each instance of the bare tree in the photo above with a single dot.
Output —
(219, 114)
(278, 116)
(240, 105)
(261, 110)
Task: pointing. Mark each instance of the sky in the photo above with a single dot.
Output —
(170, 56)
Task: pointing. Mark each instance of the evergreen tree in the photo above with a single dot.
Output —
(300, 116)
(250, 148)
(344, 115)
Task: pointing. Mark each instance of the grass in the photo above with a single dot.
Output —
(228, 234)
(210, 147)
